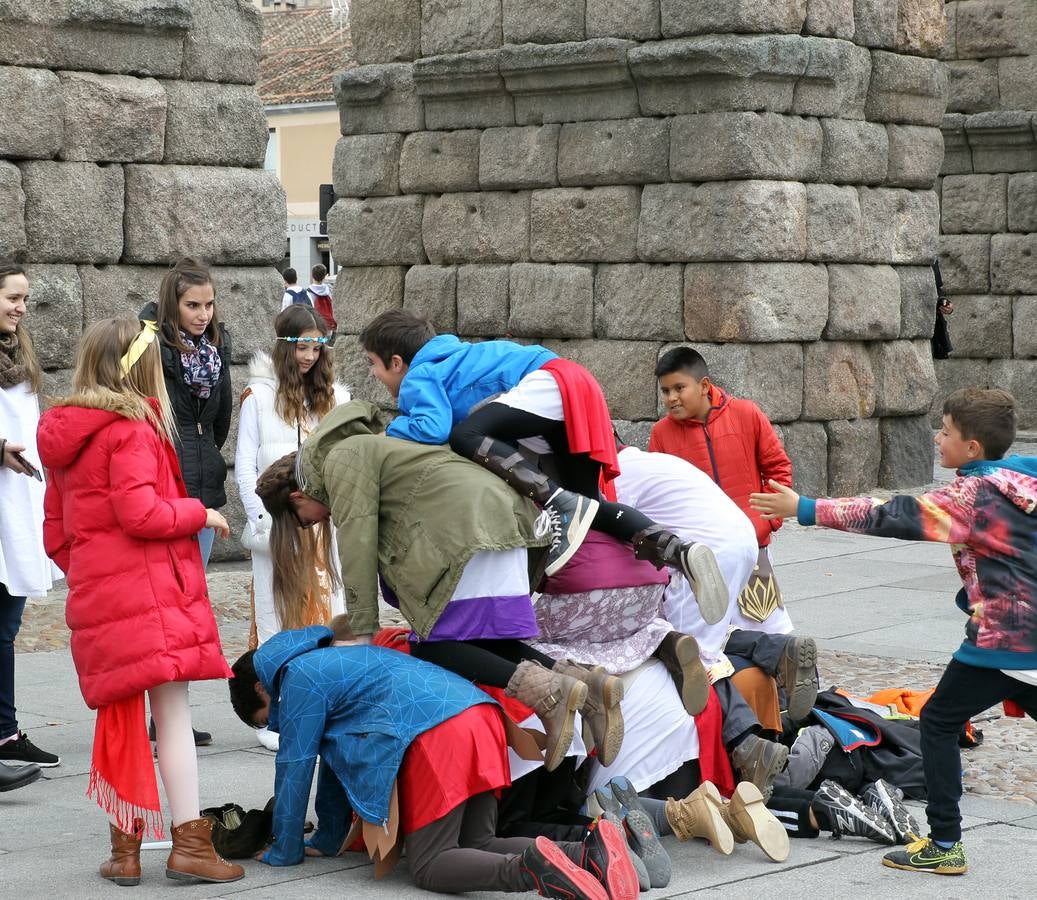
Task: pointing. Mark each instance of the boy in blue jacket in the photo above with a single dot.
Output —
(488, 398)
(988, 515)
(360, 709)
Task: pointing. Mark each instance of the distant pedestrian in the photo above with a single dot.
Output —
(320, 296)
(292, 292)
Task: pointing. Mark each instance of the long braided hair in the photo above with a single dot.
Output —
(298, 553)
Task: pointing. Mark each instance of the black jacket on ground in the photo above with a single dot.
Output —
(202, 425)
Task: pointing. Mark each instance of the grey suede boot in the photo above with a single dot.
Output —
(601, 711)
(555, 698)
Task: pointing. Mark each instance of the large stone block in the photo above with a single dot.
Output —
(482, 300)
(830, 18)
(379, 231)
(223, 43)
(1019, 377)
(950, 45)
(454, 26)
(1022, 202)
(854, 152)
(367, 165)
(899, 226)
(981, 327)
(863, 303)
(972, 85)
(56, 314)
(433, 162)
(833, 223)
(974, 204)
(157, 14)
(838, 381)
(1024, 335)
(915, 156)
(637, 20)
(353, 368)
(907, 452)
(721, 146)
(248, 298)
(550, 301)
(633, 434)
(73, 211)
(957, 154)
(625, 370)
(518, 158)
(376, 99)
(121, 292)
(1017, 82)
(490, 226)
(736, 220)
(904, 377)
(584, 224)
(917, 301)
(835, 82)
(989, 28)
(431, 291)
(755, 301)
(952, 374)
(543, 21)
(747, 370)
(31, 113)
(907, 89)
(223, 215)
(113, 118)
(875, 23)
(234, 512)
(385, 31)
(965, 263)
(806, 443)
(12, 223)
(921, 27)
(638, 302)
(1013, 261)
(854, 456)
(464, 90)
(680, 17)
(719, 73)
(363, 292)
(214, 125)
(1002, 141)
(632, 151)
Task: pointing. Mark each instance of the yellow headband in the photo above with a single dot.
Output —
(138, 345)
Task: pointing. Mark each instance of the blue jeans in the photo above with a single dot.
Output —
(10, 621)
(205, 541)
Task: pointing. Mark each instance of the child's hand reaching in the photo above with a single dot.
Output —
(215, 520)
(782, 504)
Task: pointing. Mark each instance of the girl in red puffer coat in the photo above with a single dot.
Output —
(119, 523)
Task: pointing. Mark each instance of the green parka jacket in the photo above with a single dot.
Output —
(416, 513)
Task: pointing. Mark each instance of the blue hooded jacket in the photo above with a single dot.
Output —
(448, 376)
(358, 708)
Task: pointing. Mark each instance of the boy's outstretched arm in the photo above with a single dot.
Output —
(944, 515)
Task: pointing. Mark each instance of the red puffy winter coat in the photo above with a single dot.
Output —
(736, 446)
(119, 523)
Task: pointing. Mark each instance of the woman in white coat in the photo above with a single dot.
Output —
(288, 393)
(25, 570)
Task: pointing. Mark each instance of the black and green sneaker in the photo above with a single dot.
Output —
(925, 855)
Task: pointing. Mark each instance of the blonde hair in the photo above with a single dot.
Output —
(25, 354)
(298, 554)
(99, 369)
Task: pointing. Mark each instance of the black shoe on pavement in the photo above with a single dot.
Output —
(797, 676)
(549, 872)
(570, 516)
(760, 761)
(838, 811)
(12, 777)
(886, 799)
(201, 738)
(23, 751)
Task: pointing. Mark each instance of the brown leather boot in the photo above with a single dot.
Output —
(601, 711)
(749, 820)
(124, 866)
(194, 858)
(555, 698)
(698, 815)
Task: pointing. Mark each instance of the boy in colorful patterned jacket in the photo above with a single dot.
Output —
(988, 515)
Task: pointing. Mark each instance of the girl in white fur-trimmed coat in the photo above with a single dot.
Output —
(288, 393)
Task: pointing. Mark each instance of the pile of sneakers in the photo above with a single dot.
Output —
(878, 814)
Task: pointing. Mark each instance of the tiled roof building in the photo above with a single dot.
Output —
(303, 49)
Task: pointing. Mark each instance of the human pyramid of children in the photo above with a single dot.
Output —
(597, 657)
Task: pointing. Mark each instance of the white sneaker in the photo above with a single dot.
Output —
(269, 739)
(569, 518)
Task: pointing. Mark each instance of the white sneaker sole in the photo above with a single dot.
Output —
(708, 583)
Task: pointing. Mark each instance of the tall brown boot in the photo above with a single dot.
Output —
(194, 858)
(555, 698)
(698, 815)
(601, 711)
(124, 866)
(749, 820)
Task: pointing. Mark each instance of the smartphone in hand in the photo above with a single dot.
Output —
(33, 471)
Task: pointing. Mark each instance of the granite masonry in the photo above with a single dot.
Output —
(132, 134)
(988, 240)
(753, 178)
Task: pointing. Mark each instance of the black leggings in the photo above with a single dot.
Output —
(576, 471)
(490, 662)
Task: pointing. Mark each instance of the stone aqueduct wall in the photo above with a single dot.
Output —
(988, 245)
(130, 134)
(755, 178)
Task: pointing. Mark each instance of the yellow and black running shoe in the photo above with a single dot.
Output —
(925, 855)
